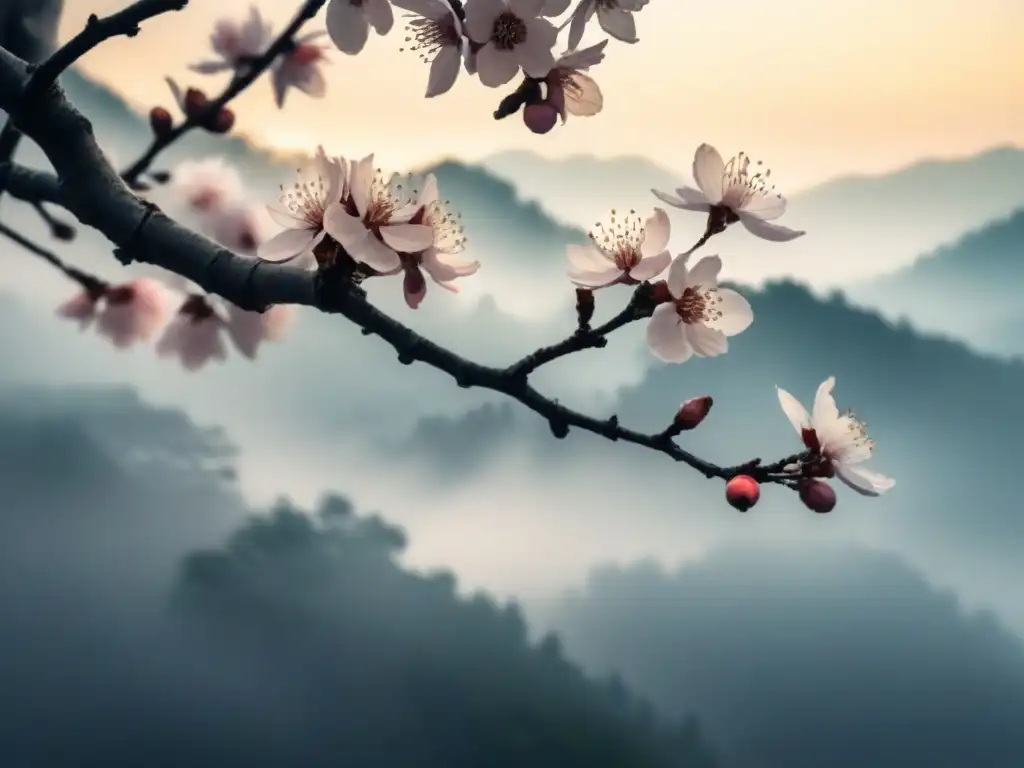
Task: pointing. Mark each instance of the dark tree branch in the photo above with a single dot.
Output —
(84, 279)
(239, 83)
(97, 30)
(91, 190)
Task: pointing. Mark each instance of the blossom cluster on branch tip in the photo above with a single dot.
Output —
(492, 40)
(237, 45)
(350, 222)
(348, 216)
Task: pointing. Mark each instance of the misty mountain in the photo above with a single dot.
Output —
(803, 657)
(968, 289)
(856, 227)
(152, 618)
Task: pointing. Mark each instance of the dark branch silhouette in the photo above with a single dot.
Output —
(98, 196)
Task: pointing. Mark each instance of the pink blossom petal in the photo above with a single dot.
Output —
(80, 307)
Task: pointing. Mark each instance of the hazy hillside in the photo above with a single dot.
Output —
(804, 658)
(856, 227)
(295, 640)
(969, 288)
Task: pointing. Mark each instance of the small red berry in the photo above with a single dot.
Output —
(540, 118)
(818, 496)
(742, 492)
(160, 121)
(692, 412)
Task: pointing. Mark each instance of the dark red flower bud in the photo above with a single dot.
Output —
(742, 492)
(818, 496)
(692, 412)
(160, 121)
(660, 292)
(195, 102)
(540, 118)
(222, 122)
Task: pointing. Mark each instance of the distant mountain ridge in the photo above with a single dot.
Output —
(857, 226)
(969, 288)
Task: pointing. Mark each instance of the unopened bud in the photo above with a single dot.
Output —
(818, 496)
(584, 306)
(222, 122)
(195, 102)
(742, 492)
(660, 292)
(160, 121)
(540, 118)
(692, 412)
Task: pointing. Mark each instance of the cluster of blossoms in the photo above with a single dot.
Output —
(212, 193)
(349, 215)
(492, 40)
(349, 220)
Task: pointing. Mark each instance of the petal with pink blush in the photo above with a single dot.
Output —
(286, 245)
(596, 279)
(343, 226)
(407, 238)
(373, 253)
(651, 267)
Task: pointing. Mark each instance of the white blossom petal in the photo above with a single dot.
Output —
(678, 276)
(863, 481)
(709, 172)
(652, 266)
(736, 313)
(766, 230)
(656, 234)
(666, 335)
(347, 26)
(795, 411)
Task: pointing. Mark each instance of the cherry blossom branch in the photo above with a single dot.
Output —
(239, 82)
(94, 192)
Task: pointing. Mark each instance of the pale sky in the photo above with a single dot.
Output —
(815, 89)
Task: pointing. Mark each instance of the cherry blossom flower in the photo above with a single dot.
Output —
(195, 335)
(625, 251)
(373, 223)
(301, 68)
(132, 312)
(730, 192)
(436, 35)
(699, 315)
(236, 43)
(124, 313)
(436, 260)
(248, 330)
(836, 437)
(569, 90)
(614, 16)
(237, 226)
(514, 36)
(349, 22)
(302, 209)
(82, 307)
(205, 186)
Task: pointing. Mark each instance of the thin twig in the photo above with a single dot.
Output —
(84, 279)
(239, 83)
